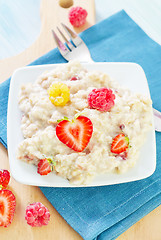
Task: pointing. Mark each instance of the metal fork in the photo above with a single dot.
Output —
(75, 48)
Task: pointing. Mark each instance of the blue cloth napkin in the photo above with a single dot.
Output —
(105, 212)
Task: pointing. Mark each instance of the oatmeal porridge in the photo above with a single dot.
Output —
(81, 124)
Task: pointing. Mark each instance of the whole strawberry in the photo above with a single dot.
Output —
(4, 178)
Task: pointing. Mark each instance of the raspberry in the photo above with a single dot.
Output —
(37, 215)
(101, 99)
(77, 16)
(59, 94)
(4, 178)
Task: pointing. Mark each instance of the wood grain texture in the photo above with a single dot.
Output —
(147, 228)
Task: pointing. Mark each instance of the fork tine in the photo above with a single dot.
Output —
(65, 39)
(70, 33)
(61, 46)
(75, 38)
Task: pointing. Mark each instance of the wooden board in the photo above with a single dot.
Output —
(58, 229)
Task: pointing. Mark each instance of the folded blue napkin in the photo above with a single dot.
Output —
(105, 212)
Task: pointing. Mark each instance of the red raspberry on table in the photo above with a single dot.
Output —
(4, 178)
(77, 16)
(37, 215)
(101, 99)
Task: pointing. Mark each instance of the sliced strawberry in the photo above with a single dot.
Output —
(120, 143)
(44, 166)
(7, 207)
(76, 134)
(4, 178)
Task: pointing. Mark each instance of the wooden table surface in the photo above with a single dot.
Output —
(147, 228)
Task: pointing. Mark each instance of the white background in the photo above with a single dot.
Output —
(20, 22)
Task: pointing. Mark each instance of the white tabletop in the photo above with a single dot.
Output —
(20, 22)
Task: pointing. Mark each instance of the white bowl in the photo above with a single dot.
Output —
(130, 75)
